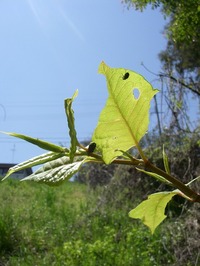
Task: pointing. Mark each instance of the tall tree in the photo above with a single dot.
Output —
(181, 58)
(183, 33)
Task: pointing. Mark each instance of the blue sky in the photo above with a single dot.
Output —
(50, 48)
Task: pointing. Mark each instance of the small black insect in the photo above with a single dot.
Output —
(125, 76)
(91, 147)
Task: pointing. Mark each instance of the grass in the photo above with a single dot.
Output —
(41, 225)
(34, 218)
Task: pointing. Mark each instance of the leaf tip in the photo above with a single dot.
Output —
(102, 68)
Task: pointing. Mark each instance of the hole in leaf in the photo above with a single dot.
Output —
(136, 93)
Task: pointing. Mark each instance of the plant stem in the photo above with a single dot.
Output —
(192, 195)
(178, 184)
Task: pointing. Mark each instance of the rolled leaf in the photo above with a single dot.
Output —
(40, 143)
(166, 161)
(71, 125)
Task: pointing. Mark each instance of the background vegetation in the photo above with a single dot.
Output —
(86, 223)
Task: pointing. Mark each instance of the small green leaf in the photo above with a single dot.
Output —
(70, 119)
(55, 172)
(166, 162)
(34, 161)
(156, 176)
(193, 180)
(125, 117)
(40, 143)
(152, 210)
(188, 184)
(134, 160)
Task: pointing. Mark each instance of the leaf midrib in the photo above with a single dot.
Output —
(123, 117)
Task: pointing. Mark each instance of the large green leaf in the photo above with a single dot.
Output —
(55, 172)
(152, 210)
(125, 118)
(47, 157)
(70, 119)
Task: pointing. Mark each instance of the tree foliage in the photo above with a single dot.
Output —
(180, 76)
(183, 34)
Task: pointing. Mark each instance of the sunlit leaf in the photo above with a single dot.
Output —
(70, 119)
(55, 172)
(152, 210)
(47, 157)
(125, 118)
(40, 143)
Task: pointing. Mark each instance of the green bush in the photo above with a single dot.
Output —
(66, 225)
